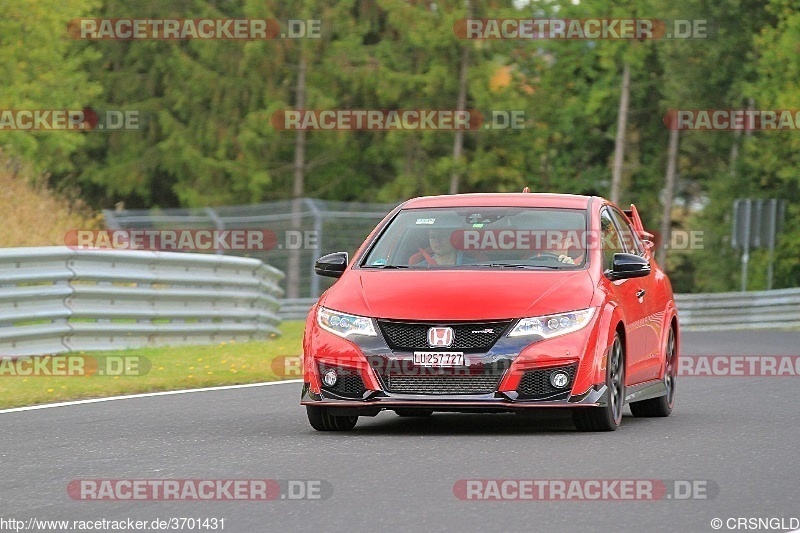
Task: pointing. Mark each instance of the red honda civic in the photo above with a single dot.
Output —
(494, 303)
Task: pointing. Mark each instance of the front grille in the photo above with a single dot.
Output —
(480, 384)
(349, 383)
(414, 335)
(536, 383)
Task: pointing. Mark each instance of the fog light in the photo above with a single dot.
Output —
(330, 377)
(559, 380)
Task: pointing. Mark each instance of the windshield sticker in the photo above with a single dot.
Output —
(426, 220)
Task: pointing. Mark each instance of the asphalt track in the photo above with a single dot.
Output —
(396, 474)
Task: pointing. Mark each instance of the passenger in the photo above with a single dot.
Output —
(441, 251)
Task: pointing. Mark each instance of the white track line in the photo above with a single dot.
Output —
(145, 395)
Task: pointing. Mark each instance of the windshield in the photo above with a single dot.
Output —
(492, 237)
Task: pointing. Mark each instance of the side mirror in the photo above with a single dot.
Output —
(331, 265)
(628, 266)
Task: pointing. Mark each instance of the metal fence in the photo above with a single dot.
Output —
(713, 311)
(56, 300)
(335, 226)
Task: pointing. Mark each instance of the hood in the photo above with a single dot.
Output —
(459, 295)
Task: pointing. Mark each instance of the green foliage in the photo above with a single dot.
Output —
(772, 159)
(43, 69)
(206, 107)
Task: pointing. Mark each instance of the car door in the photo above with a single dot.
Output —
(647, 298)
(625, 292)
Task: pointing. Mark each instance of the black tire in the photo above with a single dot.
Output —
(414, 413)
(321, 420)
(608, 417)
(661, 406)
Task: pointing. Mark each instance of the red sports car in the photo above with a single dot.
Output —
(494, 303)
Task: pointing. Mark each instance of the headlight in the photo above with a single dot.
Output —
(344, 325)
(549, 326)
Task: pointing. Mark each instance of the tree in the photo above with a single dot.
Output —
(43, 69)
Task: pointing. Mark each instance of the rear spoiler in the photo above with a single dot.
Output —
(633, 215)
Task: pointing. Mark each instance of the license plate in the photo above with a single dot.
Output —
(439, 358)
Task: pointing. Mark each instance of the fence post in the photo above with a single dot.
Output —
(318, 232)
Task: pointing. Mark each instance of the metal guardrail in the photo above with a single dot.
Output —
(779, 308)
(56, 299)
(708, 311)
(295, 308)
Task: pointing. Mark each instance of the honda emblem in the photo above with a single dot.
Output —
(440, 337)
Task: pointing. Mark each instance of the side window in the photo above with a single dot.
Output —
(629, 238)
(612, 243)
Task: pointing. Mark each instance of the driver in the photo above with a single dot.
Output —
(560, 248)
(441, 251)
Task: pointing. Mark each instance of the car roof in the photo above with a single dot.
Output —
(566, 201)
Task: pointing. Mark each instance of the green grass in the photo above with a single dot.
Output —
(171, 368)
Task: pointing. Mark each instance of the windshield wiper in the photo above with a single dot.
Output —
(386, 266)
(517, 265)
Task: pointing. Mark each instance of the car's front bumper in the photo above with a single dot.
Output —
(375, 401)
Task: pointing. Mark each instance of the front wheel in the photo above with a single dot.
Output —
(321, 420)
(608, 417)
